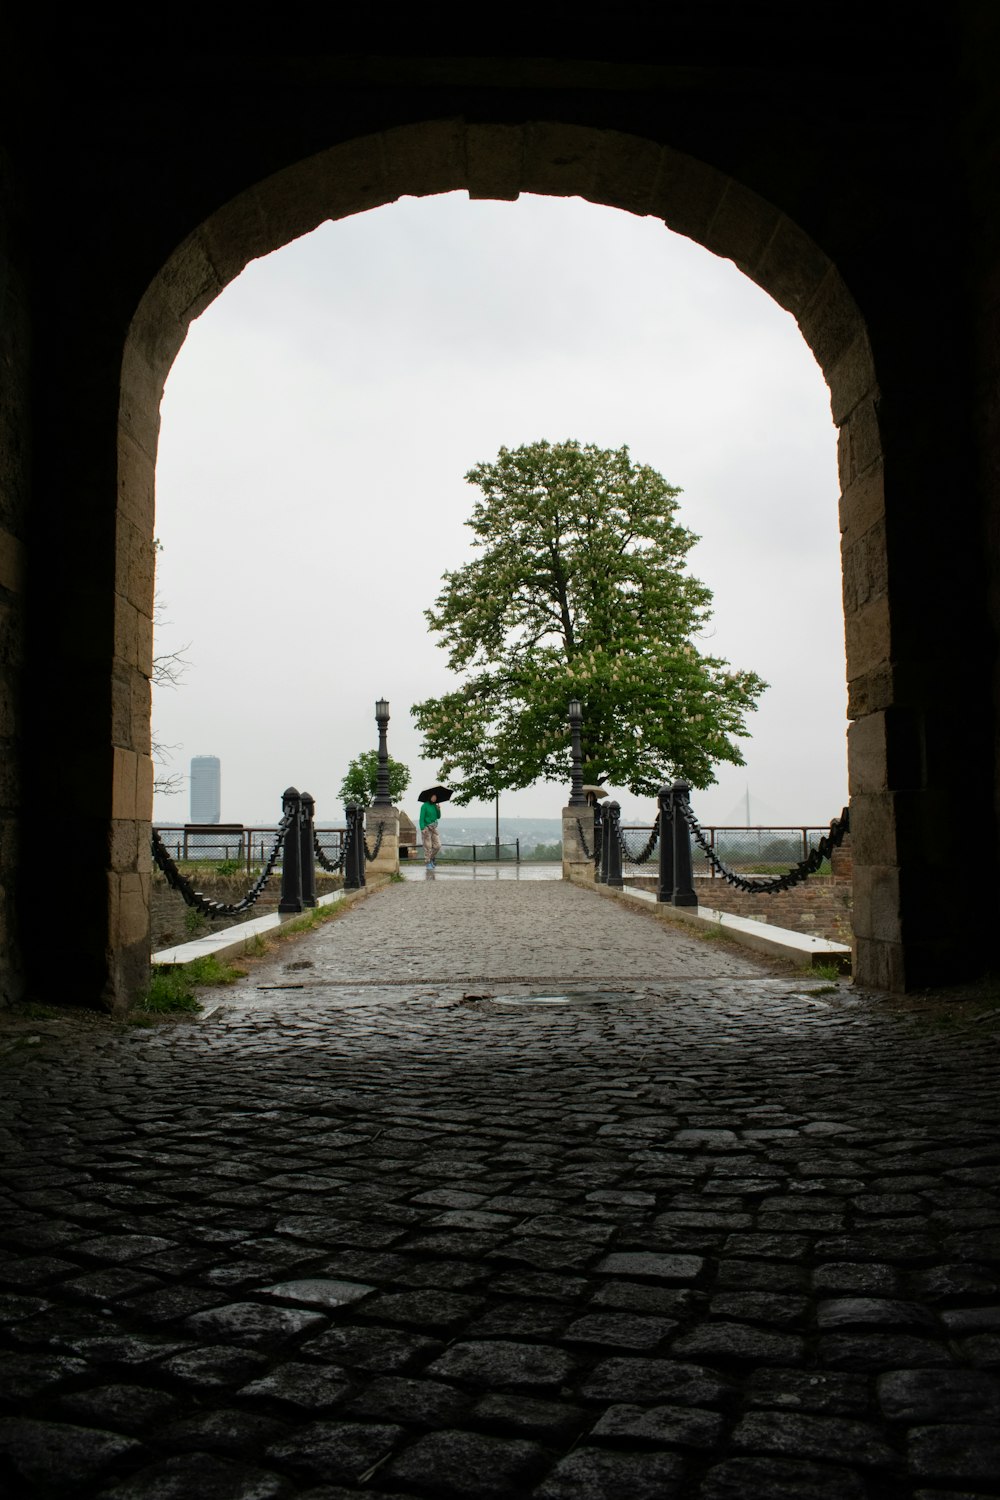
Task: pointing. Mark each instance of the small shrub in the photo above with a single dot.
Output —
(195, 921)
(227, 867)
(825, 971)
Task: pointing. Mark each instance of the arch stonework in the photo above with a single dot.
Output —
(501, 161)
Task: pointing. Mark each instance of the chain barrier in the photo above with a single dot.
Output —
(795, 875)
(646, 852)
(590, 853)
(371, 854)
(332, 866)
(162, 859)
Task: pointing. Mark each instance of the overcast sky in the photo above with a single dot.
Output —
(318, 423)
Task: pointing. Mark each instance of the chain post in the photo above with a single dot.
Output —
(665, 882)
(612, 820)
(307, 844)
(291, 861)
(602, 872)
(684, 892)
(598, 842)
(354, 864)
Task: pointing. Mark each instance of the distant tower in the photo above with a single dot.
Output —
(206, 789)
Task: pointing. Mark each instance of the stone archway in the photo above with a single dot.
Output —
(500, 162)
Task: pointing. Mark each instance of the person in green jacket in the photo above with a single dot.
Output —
(430, 815)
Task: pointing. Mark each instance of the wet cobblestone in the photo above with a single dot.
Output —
(720, 1234)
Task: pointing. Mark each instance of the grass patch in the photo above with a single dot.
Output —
(316, 916)
(825, 971)
(195, 922)
(710, 934)
(172, 987)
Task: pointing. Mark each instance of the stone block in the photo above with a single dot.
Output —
(792, 267)
(140, 696)
(134, 565)
(851, 379)
(144, 787)
(189, 282)
(865, 567)
(867, 750)
(425, 158)
(868, 634)
(132, 918)
(139, 399)
(687, 194)
(741, 229)
(126, 632)
(136, 498)
(863, 437)
(123, 783)
(124, 850)
(560, 160)
(156, 335)
(831, 320)
(877, 907)
(345, 179)
(494, 161)
(627, 171)
(12, 558)
(862, 503)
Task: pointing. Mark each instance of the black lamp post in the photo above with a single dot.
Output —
(382, 798)
(491, 766)
(576, 799)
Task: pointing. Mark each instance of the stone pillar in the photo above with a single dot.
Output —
(576, 863)
(387, 862)
(842, 862)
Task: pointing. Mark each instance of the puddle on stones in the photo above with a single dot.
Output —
(585, 997)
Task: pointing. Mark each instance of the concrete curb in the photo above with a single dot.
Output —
(777, 942)
(232, 941)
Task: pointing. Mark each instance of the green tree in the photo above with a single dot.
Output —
(361, 782)
(580, 590)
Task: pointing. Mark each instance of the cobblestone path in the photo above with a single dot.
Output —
(408, 1231)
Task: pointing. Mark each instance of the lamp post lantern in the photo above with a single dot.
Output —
(382, 798)
(576, 799)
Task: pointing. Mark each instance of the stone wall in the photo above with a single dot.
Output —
(822, 905)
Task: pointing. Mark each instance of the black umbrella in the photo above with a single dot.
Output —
(442, 793)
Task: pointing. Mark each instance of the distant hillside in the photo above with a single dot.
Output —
(457, 828)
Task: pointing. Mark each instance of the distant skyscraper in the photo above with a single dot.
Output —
(206, 789)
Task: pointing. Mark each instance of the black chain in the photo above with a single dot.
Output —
(797, 873)
(590, 853)
(179, 882)
(646, 852)
(373, 853)
(332, 866)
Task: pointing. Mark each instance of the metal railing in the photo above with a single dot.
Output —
(760, 850)
(487, 853)
(218, 843)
